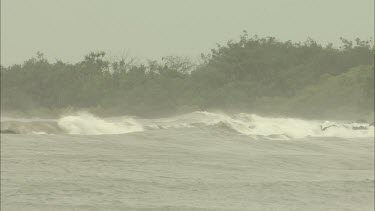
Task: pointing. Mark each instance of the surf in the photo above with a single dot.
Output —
(252, 125)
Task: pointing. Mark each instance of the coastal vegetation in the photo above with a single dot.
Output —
(253, 74)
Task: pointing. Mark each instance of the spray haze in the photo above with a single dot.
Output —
(187, 105)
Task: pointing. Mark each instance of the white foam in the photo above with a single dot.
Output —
(87, 124)
(255, 125)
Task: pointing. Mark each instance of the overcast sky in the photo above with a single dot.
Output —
(69, 29)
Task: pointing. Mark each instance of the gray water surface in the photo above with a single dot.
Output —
(185, 169)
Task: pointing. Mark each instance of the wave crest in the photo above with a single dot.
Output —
(246, 124)
(88, 124)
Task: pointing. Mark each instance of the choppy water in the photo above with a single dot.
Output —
(197, 161)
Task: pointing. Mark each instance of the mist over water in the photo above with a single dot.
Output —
(187, 105)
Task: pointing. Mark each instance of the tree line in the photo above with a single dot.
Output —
(253, 74)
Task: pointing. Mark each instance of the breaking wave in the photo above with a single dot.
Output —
(254, 125)
(82, 123)
(246, 124)
(87, 124)
(271, 128)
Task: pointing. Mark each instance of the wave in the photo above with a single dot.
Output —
(30, 127)
(88, 124)
(82, 123)
(246, 124)
(271, 128)
(286, 128)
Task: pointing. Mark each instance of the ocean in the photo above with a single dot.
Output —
(196, 161)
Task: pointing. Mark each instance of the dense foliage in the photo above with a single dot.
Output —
(261, 75)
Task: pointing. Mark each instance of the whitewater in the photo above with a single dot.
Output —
(195, 161)
(84, 123)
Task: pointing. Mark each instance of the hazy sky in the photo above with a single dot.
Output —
(69, 29)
